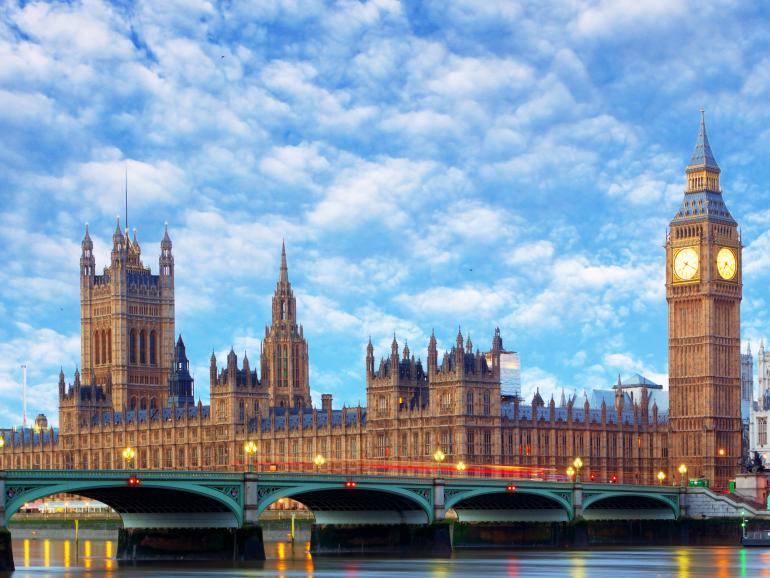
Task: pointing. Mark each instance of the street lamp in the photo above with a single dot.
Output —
(682, 472)
(128, 455)
(571, 472)
(439, 456)
(2, 442)
(460, 467)
(251, 449)
(661, 477)
(319, 460)
(578, 463)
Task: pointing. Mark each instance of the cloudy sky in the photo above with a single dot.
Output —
(429, 164)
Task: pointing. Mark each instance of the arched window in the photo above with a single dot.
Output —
(469, 403)
(104, 345)
(143, 404)
(283, 310)
(109, 346)
(241, 411)
(153, 403)
(486, 403)
(142, 347)
(97, 348)
(132, 346)
(153, 349)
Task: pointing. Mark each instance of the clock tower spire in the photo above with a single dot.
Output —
(703, 290)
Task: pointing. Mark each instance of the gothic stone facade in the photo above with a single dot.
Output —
(136, 389)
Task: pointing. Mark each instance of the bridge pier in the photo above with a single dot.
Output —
(163, 544)
(429, 539)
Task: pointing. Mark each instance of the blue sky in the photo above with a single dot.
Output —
(429, 164)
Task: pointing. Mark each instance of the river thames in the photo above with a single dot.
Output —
(41, 557)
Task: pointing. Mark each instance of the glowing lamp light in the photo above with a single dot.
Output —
(683, 469)
(593, 476)
(661, 476)
(319, 460)
(2, 443)
(350, 484)
(570, 471)
(129, 454)
(578, 463)
(134, 482)
(721, 452)
(613, 479)
(460, 466)
(439, 456)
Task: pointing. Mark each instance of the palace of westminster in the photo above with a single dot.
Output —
(135, 389)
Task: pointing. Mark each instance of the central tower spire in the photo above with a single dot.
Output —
(284, 354)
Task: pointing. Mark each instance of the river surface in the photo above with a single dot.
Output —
(58, 558)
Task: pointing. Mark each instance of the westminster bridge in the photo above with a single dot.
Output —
(151, 502)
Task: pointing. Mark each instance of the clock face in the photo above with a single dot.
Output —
(686, 263)
(726, 263)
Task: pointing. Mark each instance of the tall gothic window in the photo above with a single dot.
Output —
(283, 310)
(132, 346)
(105, 346)
(486, 403)
(97, 348)
(241, 411)
(142, 347)
(153, 348)
(284, 366)
(469, 403)
(109, 346)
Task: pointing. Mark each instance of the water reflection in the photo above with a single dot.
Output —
(292, 560)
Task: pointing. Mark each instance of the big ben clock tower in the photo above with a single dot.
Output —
(703, 290)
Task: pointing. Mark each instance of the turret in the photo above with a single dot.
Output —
(394, 358)
(459, 351)
(62, 385)
(166, 260)
(87, 261)
(232, 367)
(370, 358)
(432, 354)
(213, 370)
(246, 369)
(118, 245)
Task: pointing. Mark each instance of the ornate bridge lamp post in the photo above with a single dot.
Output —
(578, 463)
(571, 473)
(682, 472)
(251, 449)
(2, 442)
(460, 467)
(128, 456)
(439, 456)
(661, 476)
(319, 460)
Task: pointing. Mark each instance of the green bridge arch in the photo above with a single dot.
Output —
(459, 496)
(420, 498)
(666, 501)
(227, 493)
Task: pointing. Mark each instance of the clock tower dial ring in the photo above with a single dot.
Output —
(726, 264)
(686, 264)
